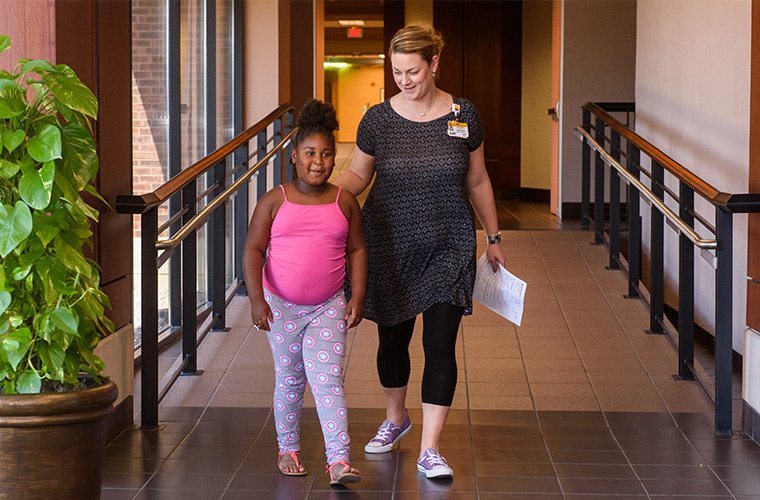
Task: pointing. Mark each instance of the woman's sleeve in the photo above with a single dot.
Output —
(475, 126)
(365, 137)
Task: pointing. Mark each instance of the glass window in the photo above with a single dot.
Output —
(150, 127)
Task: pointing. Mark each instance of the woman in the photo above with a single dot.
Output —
(426, 148)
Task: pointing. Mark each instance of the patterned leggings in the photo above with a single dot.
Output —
(308, 344)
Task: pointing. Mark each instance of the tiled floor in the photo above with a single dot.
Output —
(577, 402)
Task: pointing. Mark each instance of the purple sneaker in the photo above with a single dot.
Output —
(433, 465)
(388, 435)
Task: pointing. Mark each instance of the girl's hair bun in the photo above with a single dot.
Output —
(316, 112)
(316, 117)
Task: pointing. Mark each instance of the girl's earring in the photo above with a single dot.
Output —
(433, 74)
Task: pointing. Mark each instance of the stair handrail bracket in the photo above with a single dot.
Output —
(617, 152)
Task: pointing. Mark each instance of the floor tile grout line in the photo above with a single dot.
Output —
(197, 422)
(585, 369)
(649, 376)
(622, 329)
(530, 391)
(213, 393)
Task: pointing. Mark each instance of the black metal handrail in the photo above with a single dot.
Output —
(268, 149)
(608, 151)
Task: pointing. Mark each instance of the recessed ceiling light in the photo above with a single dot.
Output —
(350, 22)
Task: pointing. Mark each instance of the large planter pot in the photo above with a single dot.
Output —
(52, 445)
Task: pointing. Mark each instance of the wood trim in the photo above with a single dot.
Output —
(393, 20)
(753, 247)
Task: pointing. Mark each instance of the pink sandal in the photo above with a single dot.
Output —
(346, 476)
(294, 455)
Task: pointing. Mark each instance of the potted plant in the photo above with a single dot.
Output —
(51, 304)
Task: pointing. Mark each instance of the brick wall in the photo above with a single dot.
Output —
(149, 98)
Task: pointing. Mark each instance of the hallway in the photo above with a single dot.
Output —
(578, 402)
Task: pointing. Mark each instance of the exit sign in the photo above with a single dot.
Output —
(354, 32)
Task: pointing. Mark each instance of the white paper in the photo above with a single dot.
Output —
(500, 291)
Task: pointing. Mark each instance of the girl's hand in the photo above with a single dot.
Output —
(261, 314)
(495, 256)
(354, 312)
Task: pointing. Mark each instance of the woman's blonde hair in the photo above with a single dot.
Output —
(420, 39)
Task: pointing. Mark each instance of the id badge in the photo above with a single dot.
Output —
(458, 129)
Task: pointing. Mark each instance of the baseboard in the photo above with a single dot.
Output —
(703, 337)
(572, 211)
(120, 418)
(537, 195)
(751, 422)
(506, 194)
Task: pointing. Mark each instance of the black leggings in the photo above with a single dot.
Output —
(439, 338)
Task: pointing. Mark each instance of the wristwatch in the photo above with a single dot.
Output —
(493, 238)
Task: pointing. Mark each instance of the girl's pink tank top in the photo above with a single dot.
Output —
(306, 263)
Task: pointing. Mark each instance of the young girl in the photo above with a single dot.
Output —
(311, 229)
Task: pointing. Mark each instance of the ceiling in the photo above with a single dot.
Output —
(337, 42)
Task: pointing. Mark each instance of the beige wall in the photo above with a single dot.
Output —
(260, 53)
(260, 86)
(355, 91)
(692, 101)
(535, 135)
(598, 64)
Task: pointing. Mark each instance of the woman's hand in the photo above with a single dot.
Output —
(354, 312)
(261, 314)
(495, 256)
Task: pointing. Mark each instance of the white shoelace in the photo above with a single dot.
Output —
(384, 431)
(435, 459)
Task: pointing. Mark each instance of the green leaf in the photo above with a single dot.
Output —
(63, 319)
(32, 252)
(13, 139)
(15, 226)
(80, 158)
(16, 344)
(52, 356)
(71, 92)
(87, 209)
(38, 66)
(91, 189)
(6, 83)
(36, 186)
(11, 107)
(70, 256)
(45, 227)
(5, 301)
(20, 273)
(29, 383)
(5, 42)
(8, 169)
(46, 145)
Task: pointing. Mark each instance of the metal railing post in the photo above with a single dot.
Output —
(189, 284)
(686, 287)
(261, 182)
(217, 246)
(634, 224)
(723, 321)
(278, 178)
(149, 311)
(586, 173)
(241, 217)
(657, 222)
(614, 203)
(289, 147)
(599, 185)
